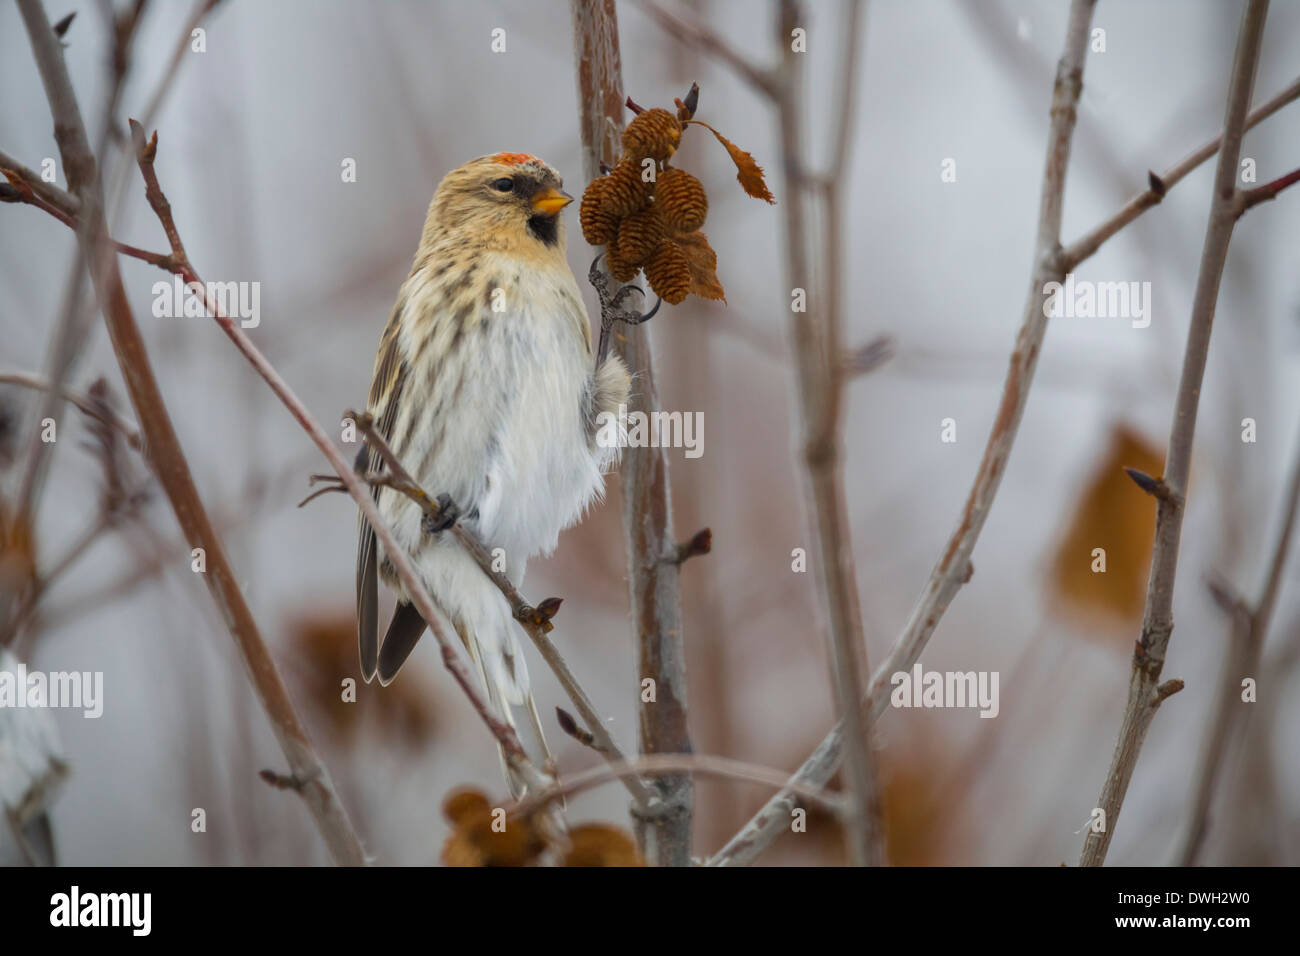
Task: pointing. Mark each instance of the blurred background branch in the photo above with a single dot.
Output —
(954, 567)
(1145, 690)
(1247, 634)
(816, 332)
(164, 449)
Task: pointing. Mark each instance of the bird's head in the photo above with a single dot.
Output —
(508, 201)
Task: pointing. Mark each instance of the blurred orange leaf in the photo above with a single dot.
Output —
(1116, 516)
(17, 552)
(325, 653)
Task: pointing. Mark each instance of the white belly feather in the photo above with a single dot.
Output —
(512, 444)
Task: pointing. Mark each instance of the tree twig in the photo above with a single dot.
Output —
(1267, 192)
(80, 401)
(178, 263)
(60, 203)
(120, 498)
(690, 29)
(954, 568)
(227, 515)
(816, 334)
(164, 448)
(660, 764)
(1091, 241)
(653, 583)
(71, 332)
(1249, 629)
(1144, 694)
(22, 192)
(166, 82)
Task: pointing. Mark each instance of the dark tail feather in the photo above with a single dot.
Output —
(367, 605)
(403, 633)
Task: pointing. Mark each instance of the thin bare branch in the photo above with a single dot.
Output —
(1145, 694)
(816, 334)
(80, 401)
(178, 263)
(164, 448)
(1249, 630)
(50, 194)
(167, 554)
(22, 192)
(1083, 248)
(690, 29)
(653, 582)
(954, 567)
(659, 764)
(71, 332)
(1266, 192)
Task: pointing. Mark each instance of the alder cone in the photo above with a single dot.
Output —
(474, 842)
(477, 844)
(681, 200)
(599, 225)
(462, 806)
(654, 133)
(599, 844)
(621, 269)
(669, 273)
(625, 191)
(640, 234)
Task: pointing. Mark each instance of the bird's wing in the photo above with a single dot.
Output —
(385, 398)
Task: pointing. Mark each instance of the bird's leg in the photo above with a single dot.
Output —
(612, 307)
(448, 514)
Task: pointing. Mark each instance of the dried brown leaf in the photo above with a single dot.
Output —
(703, 264)
(749, 173)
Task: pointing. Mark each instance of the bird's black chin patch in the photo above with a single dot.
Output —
(545, 228)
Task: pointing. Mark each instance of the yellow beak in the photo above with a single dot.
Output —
(551, 201)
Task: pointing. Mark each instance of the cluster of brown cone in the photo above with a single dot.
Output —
(647, 214)
(642, 204)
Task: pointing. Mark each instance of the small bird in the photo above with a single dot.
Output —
(485, 388)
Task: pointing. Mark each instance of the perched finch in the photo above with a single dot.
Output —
(485, 389)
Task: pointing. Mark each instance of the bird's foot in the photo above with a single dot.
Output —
(613, 305)
(448, 514)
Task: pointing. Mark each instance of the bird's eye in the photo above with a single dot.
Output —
(504, 185)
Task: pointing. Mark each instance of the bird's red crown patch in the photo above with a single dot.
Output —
(514, 159)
